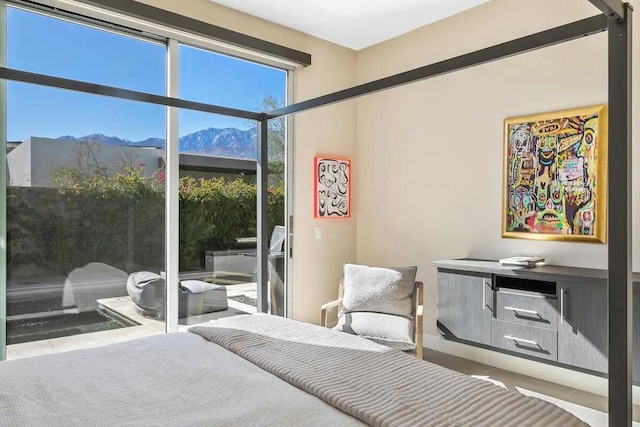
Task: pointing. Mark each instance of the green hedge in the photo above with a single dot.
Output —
(215, 212)
(120, 220)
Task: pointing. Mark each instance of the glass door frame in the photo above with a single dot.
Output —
(172, 197)
(289, 198)
(3, 185)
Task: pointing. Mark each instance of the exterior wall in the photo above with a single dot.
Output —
(19, 165)
(437, 146)
(34, 162)
(317, 265)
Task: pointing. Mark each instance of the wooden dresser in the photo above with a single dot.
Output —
(548, 313)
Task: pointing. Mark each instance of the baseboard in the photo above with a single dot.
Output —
(554, 374)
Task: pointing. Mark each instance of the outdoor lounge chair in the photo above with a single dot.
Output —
(147, 289)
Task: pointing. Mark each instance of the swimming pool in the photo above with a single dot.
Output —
(34, 328)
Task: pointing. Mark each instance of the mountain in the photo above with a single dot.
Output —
(98, 138)
(227, 142)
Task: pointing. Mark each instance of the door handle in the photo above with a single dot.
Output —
(561, 306)
(485, 283)
(484, 297)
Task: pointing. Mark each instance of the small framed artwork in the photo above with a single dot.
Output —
(555, 172)
(332, 187)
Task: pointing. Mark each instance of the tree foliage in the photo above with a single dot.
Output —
(277, 140)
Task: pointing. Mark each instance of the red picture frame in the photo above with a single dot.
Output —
(331, 187)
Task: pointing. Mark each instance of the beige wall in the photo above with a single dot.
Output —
(428, 156)
(429, 171)
(332, 130)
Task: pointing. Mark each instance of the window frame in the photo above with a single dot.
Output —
(91, 15)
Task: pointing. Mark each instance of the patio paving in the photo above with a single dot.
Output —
(77, 342)
(144, 327)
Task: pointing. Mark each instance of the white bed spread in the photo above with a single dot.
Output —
(376, 384)
(168, 380)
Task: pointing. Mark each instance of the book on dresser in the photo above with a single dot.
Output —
(521, 261)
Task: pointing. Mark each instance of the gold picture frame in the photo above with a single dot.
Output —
(555, 176)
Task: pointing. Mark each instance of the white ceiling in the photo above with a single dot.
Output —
(352, 23)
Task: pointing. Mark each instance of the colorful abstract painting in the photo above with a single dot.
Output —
(555, 176)
(332, 187)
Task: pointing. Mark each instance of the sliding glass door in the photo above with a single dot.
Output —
(217, 188)
(94, 193)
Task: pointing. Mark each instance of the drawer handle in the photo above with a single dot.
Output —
(509, 337)
(522, 310)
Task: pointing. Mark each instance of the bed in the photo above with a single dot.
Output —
(255, 370)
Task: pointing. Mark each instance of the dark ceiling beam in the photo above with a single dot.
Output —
(175, 21)
(201, 28)
(536, 41)
(614, 9)
(114, 92)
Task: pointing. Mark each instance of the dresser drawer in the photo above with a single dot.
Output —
(531, 310)
(523, 339)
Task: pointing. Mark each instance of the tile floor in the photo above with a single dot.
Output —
(589, 407)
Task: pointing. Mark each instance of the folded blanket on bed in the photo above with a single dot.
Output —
(378, 385)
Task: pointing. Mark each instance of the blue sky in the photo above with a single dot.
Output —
(44, 45)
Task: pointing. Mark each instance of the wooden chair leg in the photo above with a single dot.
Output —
(419, 319)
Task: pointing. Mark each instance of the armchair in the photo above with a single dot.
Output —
(382, 327)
